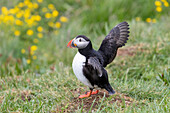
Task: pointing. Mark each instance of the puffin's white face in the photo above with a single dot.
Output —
(80, 42)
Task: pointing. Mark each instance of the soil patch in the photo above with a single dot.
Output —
(93, 102)
(131, 50)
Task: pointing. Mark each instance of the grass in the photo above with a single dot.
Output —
(134, 73)
(140, 74)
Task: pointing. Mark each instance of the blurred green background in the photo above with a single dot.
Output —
(34, 35)
(38, 23)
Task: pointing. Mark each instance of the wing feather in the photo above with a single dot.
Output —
(117, 37)
(94, 62)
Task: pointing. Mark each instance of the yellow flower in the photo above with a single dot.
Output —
(35, 5)
(34, 57)
(48, 15)
(34, 48)
(51, 6)
(19, 15)
(30, 5)
(26, 2)
(39, 29)
(16, 9)
(30, 32)
(29, 22)
(1, 16)
(19, 22)
(4, 10)
(166, 4)
(12, 11)
(5, 19)
(154, 20)
(17, 33)
(21, 4)
(37, 17)
(163, 0)
(28, 61)
(35, 40)
(44, 9)
(158, 3)
(158, 9)
(26, 13)
(8, 19)
(148, 20)
(22, 51)
(51, 24)
(63, 19)
(40, 1)
(138, 18)
(58, 25)
(40, 35)
(55, 13)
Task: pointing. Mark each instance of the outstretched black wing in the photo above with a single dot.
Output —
(117, 37)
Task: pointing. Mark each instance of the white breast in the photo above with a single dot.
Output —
(77, 65)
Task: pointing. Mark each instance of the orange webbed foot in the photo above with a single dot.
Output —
(95, 92)
(88, 94)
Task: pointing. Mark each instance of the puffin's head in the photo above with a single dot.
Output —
(79, 42)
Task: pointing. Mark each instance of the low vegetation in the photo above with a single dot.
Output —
(140, 74)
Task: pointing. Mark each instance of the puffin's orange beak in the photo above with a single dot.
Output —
(71, 44)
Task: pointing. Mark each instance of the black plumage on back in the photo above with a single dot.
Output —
(96, 74)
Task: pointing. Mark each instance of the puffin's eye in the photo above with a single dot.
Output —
(79, 40)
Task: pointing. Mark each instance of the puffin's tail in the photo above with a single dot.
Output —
(109, 89)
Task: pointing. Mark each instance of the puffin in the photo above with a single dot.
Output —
(89, 64)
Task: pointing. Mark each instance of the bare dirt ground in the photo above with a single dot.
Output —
(131, 50)
(93, 102)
